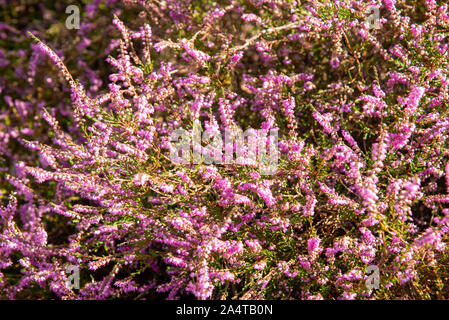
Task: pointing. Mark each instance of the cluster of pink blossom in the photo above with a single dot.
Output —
(362, 180)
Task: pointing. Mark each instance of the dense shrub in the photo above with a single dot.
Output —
(362, 179)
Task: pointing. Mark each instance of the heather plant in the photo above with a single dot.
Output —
(361, 183)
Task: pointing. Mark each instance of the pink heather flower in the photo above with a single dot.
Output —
(251, 17)
(413, 100)
(335, 62)
(235, 58)
(235, 249)
(266, 195)
(378, 91)
(379, 153)
(390, 4)
(447, 176)
(199, 56)
(366, 252)
(313, 246)
(375, 106)
(166, 188)
(295, 207)
(370, 222)
(104, 172)
(309, 208)
(324, 122)
(431, 4)
(203, 287)
(289, 107)
(412, 188)
(416, 30)
(349, 295)
(260, 265)
(218, 13)
(254, 245)
(369, 238)
(309, 86)
(182, 223)
(400, 140)
(369, 195)
(431, 237)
